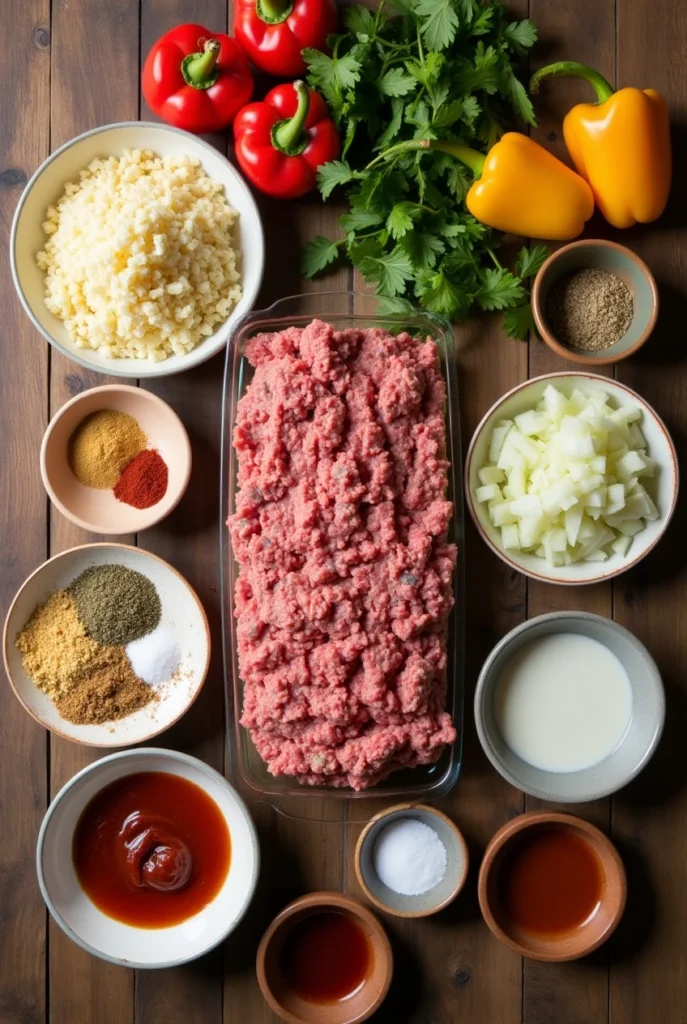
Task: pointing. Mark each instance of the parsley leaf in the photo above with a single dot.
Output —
(332, 75)
(400, 220)
(333, 173)
(520, 35)
(317, 255)
(393, 125)
(530, 260)
(389, 271)
(423, 248)
(439, 22)
(360, 21)
(519, 322)
(443, 296)
(396, 82)
(499, 290)
(360, 220)
(517, 94)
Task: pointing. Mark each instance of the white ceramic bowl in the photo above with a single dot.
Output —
(99, 510)
(637, 745)
(663, 486)
(181, 611)
(47, 185)
(121, 943)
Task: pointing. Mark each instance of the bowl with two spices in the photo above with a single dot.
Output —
(106, 645)
(115, 459)
(594, 302)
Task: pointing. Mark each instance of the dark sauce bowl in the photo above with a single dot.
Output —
(565, 945)
(289, 1004)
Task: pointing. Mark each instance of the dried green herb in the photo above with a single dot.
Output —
(116, 604)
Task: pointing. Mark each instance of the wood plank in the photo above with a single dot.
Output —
(25, 131)
(568, 993)
(648, 979)
(94, 81)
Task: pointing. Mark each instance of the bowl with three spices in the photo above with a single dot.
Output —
(594, 302)
(106, 645)
(115, 460)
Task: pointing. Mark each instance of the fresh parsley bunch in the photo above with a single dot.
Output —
(430, 69)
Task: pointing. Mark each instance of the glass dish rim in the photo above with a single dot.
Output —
(277, 316)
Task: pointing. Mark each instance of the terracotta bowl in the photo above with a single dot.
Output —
(617, 259)
(569, 946)
(427, 903)
(291, 1007)
(99, 510)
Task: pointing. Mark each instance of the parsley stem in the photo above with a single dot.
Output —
(419, 46)
(493, 257)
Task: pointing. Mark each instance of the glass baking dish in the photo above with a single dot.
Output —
(342, 310)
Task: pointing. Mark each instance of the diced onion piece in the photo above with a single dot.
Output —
(563, 479)
(491, 475)
(490, 492)
(510, 538)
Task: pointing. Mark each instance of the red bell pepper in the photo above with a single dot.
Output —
(274, 32)
(282, 141)
(196, 80)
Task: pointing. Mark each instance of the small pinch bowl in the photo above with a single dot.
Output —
(112, 940)
(457, 863)
(98, 510)
(181, 611)
(602, 255)
(64, 165)
(571, 945)
(637, 745)
(663, 486)
(287, 1004)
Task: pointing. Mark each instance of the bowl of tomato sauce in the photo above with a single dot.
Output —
(147, 858)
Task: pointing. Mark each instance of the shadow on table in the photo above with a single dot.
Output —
(666, 774)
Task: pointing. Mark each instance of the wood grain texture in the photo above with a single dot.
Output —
(25, 134)
(648, 976)
(568, 993)
(91, 45)
(81, 69)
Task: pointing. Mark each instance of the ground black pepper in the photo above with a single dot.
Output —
(589, 309)
(116, 604)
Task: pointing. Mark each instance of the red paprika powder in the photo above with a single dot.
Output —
(144, 481)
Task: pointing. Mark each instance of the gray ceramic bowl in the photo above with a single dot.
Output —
(629, 757)
(429, 902)
(617, 259)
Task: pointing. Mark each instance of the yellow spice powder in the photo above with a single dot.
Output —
(54, 645)
(102, 446)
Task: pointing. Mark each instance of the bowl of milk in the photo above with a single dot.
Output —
(569, 707)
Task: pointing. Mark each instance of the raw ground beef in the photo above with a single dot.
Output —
(340, 532)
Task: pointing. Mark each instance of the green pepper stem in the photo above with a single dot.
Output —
(289, 136)
(273, 12)
(200, 69)
(603, 89)
(470, 157)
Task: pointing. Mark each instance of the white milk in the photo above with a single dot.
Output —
(563, 702)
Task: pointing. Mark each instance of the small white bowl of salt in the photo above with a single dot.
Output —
(411, 860)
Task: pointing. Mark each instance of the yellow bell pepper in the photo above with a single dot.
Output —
(523, 189)
(620, 145)
(520, 187)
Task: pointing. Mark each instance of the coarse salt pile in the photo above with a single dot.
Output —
(140, 261)
(156, 656)
(409, 857)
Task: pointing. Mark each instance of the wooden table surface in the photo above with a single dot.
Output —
(71, 65)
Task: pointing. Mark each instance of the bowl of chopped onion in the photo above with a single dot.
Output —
(134, 249)
(571, 478)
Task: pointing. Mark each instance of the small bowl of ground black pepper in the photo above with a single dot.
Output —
(594, 302)
(106, 645)
(116, 460)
